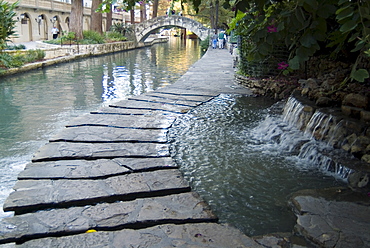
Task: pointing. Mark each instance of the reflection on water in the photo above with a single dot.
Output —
(37, 104)
(246, 180)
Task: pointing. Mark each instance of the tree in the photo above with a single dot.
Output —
(142, 11)
(96, 17)
(155, 8)
(7, 25)
(109, 20)
(76, 21)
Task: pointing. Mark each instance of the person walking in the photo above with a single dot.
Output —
(221, 39)
(214, 41)
(55, 32)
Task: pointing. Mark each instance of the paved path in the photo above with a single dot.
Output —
(107, 179)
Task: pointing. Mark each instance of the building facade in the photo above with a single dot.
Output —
(36, 18)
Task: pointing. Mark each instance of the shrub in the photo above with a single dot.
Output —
(307, 28)
(8, 61)
(92, 37)
(204, 44)
(115, 36)
(7, 15)
(15, 47)
(32, 56)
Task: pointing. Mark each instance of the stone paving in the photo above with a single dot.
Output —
(107, 179)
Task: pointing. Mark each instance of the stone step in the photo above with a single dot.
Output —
(210, 235)
(133, 112)
(179, 97)
(140, 213)
(93, 169)
(70, 151)
(173, 91)
(124, 121)
(94, 134)
(163, 100)
(32, 195)
(127, 104)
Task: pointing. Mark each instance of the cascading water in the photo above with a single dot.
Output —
(289, 139)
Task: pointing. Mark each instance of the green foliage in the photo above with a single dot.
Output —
(31, 56)
(308, 28)
(8, 61)
(122, 28)
(92, 37)
(20, 58)
(115, 36)
(15, 47)
(7, 15)
(204, 44)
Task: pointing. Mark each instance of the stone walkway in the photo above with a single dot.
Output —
(107, 179)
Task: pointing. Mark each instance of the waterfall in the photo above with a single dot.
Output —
(305, 134)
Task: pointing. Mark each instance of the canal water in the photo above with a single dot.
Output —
(226, 150)
(37, 104)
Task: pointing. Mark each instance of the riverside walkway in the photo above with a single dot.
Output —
(107, 179)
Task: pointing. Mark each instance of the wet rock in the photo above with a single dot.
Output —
(358, 180)
(333, 218)
(356, 100)
(324, 101)
(365, 115)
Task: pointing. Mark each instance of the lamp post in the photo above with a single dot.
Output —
(38, 20)
(54, 19)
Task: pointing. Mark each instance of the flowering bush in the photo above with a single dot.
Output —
(338, 29)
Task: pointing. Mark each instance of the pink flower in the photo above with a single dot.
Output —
(282, 66)
(272, 29)
(140, 2)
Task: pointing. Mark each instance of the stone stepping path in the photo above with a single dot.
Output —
(101, 134)
(91, 169)
(107, 180)
(33, 195)
(71, 150)
(210, 235)
(138, 213)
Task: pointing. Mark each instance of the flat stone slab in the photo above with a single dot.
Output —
(176, 209)
(110, 134)
(163, 100)
(209, 235)
(132, 112)
(70, 150)
(93, 169)
(31, 195)
(184, 97)
(151, 106)
(333, 223)
(123, 121)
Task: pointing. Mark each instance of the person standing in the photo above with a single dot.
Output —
(55, 32)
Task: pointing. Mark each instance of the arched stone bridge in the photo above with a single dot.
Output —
(142, 30)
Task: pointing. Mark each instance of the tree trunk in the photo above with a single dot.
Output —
(109, 20)
(132, 16)
(143, 11)
(155, 8)
(212, 17)
(96, 17)
(216, 14)
(76, 21)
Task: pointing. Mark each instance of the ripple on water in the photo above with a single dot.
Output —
(246, 179)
